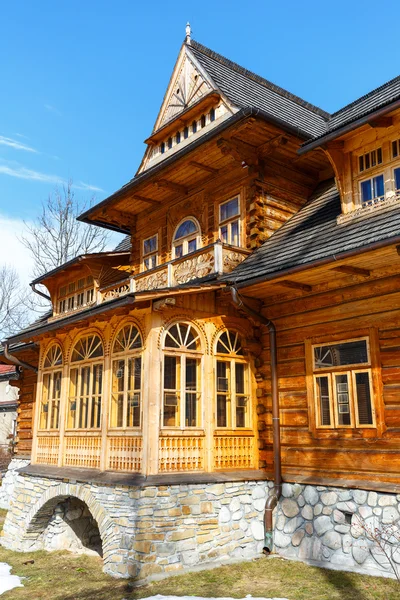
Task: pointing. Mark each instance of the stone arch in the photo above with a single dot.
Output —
(40, 514)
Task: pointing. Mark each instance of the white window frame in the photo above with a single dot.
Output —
(374, 199)
(149, 255)
(350, 370)
(184, 241)
(228, 222)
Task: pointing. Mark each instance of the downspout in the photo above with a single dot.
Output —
(272, 500)
(34, 289)
(16, 361)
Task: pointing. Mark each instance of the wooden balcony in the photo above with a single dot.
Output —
(213, 259)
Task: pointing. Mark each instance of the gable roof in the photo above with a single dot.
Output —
(246, 89)
(313, 235)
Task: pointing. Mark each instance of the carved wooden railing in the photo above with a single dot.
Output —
(233, 452)
(215, 258)
(47, 449)
(82, 451)
(180, 453)
(124, 453)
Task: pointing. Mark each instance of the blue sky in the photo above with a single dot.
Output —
(82, 81)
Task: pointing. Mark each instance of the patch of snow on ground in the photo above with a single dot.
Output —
(7, 581)
(160, 597)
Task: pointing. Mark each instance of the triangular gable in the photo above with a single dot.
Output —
(188, 84)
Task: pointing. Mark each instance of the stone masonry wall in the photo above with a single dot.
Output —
(9, 479)
(145, 532)
(335, 527)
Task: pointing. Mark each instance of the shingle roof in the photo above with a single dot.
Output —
(124, 245)
(313, 234)
(246, 89)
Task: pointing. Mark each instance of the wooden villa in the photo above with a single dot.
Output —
(237, 356)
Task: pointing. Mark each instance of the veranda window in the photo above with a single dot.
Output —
(343, 385)
(86, 384)
(182, 382)
(232, 383)
(186, 238)
(150, 251)
(372, 190)
(51, 389)
(126, 378)
(229, 221)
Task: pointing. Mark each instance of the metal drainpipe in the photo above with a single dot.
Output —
(15, 361)
(34, 289)
(272, 500)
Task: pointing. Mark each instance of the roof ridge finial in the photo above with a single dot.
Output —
(188, 33)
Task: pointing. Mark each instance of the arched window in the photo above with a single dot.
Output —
(51, 388)
(86, 384)
(186, 238)
(126, 386)
(232, 382)
(182, 382)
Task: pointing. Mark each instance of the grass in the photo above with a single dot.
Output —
(64, 576)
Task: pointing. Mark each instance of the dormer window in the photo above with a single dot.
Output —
(186, 133)
(186, 238)
(162, 147)
(372, 190)
(178, 137)
(150, 249)
(370, 159)
(170, 143)
(212, 115)
(203, 121)
(194, 126)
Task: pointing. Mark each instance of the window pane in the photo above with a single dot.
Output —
(192, 246)
(229, 209)
(361, 163)
(150, 245)
(348, 353)
(224, 234)
(178, 251)
(363, 392)
(133, 410)
(186, 228)
(367, 162)
(171, 414)
(45, 401)
(235, 233)
(241, 411)
(397, 178)
(394, 149)
(379, 155)
(170, 363)
(222, 398)
(239, 372)
(379, 187)
(343, 399)
(322, 385)
(366, 191)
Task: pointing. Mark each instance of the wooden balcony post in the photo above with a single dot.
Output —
(171, 279)
(132, 285)
(105, 402)
(152, 397)
(218, 258)
(63, 412)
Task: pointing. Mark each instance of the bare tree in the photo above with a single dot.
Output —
(56, 236)
(13, 314)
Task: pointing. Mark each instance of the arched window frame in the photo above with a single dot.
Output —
(49, 413)
(182, 400)
(126, 369)
(232, 382)
(189, 243)
(85, 392)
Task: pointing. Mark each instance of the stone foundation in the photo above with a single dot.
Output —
(9, 479)
(145, 532)
(335, 527)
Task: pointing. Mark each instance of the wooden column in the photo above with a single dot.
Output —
(105, 403)
(152, 396)
(63, 411)
(209, 407)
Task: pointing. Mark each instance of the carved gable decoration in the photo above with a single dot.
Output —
(188, 87)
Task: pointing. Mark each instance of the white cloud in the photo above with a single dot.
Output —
(53, 109)
(16, 145)
(23, 173)
(14, 252)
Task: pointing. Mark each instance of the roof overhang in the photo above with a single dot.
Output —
(91, 216)
(348, 127)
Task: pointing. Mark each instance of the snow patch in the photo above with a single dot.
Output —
(7, 581)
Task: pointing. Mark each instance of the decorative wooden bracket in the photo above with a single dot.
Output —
(240, 151)
(381, 122)
(349, 270)
(170, 185)
(145, 199)
(295, 285)
(203, 167)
